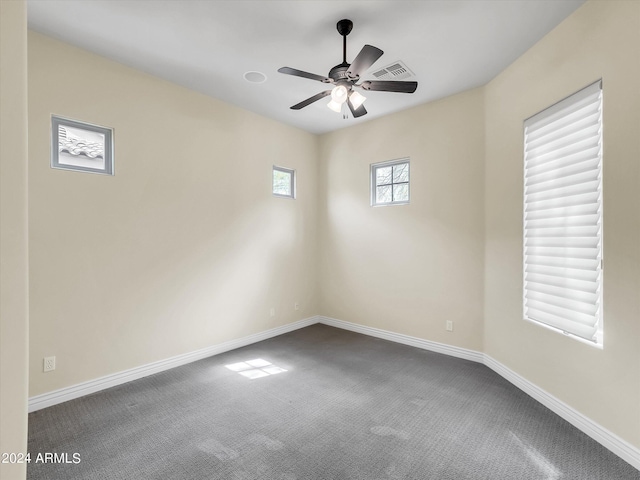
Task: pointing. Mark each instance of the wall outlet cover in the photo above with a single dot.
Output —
(49, 364)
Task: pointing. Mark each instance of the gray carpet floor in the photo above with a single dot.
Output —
(348, 406)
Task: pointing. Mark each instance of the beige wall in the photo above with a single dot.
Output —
(174, 253)
(13, 235)
(407, 268)
(600, 40)
(185, 247)
(457, 248)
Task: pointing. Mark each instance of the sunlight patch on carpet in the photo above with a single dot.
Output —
(255, 368)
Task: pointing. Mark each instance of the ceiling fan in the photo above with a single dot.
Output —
(344, 78)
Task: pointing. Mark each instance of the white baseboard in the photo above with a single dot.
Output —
(609, 440)
(604, 437)
(405, 339)
(85, 388)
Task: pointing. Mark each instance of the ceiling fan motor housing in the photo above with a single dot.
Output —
(339, 72)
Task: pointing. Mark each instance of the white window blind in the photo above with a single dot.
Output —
(563, 215)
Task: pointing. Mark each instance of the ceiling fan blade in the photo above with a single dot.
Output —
(310, 100)
(367, 57)
(389, 86)
(300, 73)
(357, 112)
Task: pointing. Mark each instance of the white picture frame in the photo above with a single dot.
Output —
(80, 146)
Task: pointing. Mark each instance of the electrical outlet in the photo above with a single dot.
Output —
(272, 312)
(449, 326)
(49, 364)
(296, 306)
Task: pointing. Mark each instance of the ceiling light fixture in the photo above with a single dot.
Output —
(356, 99)
(335, 106)
(339, 94)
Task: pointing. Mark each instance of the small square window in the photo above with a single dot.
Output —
(390, 183)
(284, 184)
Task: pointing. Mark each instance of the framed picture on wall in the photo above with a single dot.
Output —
(81, 146)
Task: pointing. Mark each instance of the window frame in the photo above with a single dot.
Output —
(291, 172)
(373, 184)
(597, 339)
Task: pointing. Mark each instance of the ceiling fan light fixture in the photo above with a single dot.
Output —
(356, 99)
(345, 76)
(339, 94)
(335, 106)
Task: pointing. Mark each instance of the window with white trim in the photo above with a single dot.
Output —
(284, 182)
(390, 182)
(563, 215)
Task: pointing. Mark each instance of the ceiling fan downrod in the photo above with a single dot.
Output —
(344, 27)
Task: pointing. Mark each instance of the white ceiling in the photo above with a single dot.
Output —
(207, 46)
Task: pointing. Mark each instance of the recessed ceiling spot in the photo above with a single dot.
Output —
(255, 77)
